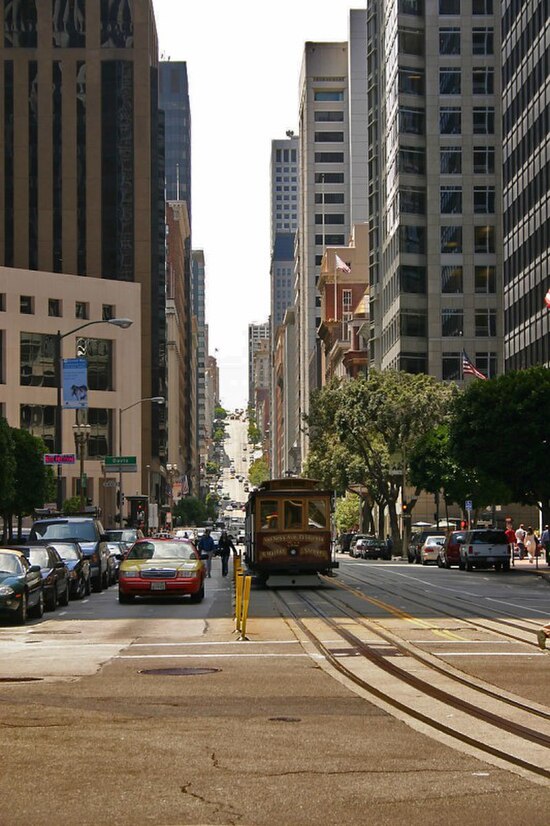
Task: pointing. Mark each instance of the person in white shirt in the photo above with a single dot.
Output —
(520, 539)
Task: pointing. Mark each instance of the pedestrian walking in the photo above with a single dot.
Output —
(520, 539)
(389, 545)
(530, 543)
(545, 542)
(225, 546)
(511, 537)
(208, 546)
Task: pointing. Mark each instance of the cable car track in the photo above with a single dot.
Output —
(521, 734)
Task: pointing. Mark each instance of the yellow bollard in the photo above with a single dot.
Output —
(245, 605)
(238, 600)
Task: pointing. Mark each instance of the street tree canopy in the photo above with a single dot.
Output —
(501, 429)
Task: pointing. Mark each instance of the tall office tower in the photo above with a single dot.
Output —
(204, 423)
(526, 156)
(83, 181)
(257, 333)
(174, 102)
(282, 277)
(324, 216)
(434, 126)
(284, 186)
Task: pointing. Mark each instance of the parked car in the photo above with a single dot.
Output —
(117, 552)
(21, 592)
(78, 566)
(429, 552)
(126, 536)
(417, 540)
(343, 542)
(485, 548)
(450, 552)
(90, 535)
(54, 572)
(370, 547)
(162, 568)
(353, 544)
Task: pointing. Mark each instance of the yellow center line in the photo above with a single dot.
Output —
(397, 612)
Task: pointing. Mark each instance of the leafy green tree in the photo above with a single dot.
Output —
(500, 428)
(190, 510)
(34, 483)
(220, 412)
(347, 512)
(254, 435)
(7, 476)
(71, 506)
(258, 472)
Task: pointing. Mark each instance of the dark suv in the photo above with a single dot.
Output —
(417, 540)
(90, 535)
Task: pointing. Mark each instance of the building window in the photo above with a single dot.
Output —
(485, 323)
(451, 365)
(82, 309)
(330, 218)
(69, 24)
(487, 363)
(449, 7)
(484, 120)
(39, 420)
(450, 160)
(101, 442)
(54, 307)
(3, 302)
(414, 324)
(452, 323)
(412, 279)
(117, 26)
(412, 200)
(411, 81)
(107, 312)
(449, 41)
(485, 279)
(484, 239)
(329, 198)
(413, 7)
(329, 177)
(37, 353)
(412, 239)
(484, 7)
(484, 199)
(413, 362)
(411, 41)
(26, 304)
(449, 81)
(450, 120)
(327, 95)
(451, 200)
(329, 240)
(412, 160)
(483, 80)
(328, 117)
(484, 160)
(329, 157)
(482, 41)
(329, 137)
(451, 239)
(451, 279)
(411, 120)
(20, 25)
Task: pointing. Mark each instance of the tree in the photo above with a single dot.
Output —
(258, 472)
(34, 483)
(220, 412)
(347, 512)
(500, 428)
(71, 506)
(190, 510)
(7, 474)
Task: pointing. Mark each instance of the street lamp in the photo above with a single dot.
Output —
(124, 323)
(155, 400)
(81, 437)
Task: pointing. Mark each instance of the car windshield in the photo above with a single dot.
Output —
(65, 551)
(64, 530)
(491, 537)
(9, 564)
(435, 540)
(162, 550)
(39, 556)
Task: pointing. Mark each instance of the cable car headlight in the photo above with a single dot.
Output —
(293, 551)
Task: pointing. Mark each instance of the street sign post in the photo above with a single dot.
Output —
(59, 458)
(468, 507)
(122, 464)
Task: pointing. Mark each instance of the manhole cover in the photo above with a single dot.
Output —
(179, 672)
(285, 720)
(20, 679)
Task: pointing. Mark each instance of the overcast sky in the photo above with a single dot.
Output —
(243, 61)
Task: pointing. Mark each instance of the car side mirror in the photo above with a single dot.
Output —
(34, 569)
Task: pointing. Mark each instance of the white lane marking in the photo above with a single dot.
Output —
(227, 642)
(209, 656)
(61, 613)
(84, 601)
(514, 605)
(490, 654)
(463, 642)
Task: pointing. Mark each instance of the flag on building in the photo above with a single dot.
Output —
(547, 299)
(184, 485)
(341, 265)
(469, 368)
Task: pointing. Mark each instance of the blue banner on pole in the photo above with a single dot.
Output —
(75, 383)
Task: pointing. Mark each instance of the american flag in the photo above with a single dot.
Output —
(468, 367)
(547, 299)
(341, 265)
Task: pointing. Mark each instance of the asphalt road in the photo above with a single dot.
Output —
(267, 734)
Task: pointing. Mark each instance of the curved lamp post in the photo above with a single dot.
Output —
(154, 400)
(123, 323)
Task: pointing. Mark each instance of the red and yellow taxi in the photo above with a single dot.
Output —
(161, 568)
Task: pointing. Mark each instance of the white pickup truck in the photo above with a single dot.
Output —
(484, 548)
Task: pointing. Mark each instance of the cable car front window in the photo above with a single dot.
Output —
(293, 514)
(269, 517)
(317, 514)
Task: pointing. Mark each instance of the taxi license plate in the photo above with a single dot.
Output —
(158, 586)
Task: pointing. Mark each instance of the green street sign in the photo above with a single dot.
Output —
(120, 461)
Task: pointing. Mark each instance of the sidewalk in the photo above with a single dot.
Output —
(537, 566)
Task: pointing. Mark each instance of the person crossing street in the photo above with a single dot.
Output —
(225, 546)
(208, 546)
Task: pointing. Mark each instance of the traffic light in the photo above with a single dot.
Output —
(405, 507)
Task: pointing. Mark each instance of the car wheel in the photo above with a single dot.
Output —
(105, 580)
(461, 564)
(447, 564)
(51, 600)
(38, 610)
(88, 586)
(439, 562)
(469, 566)
(64, 598)
(505, 566)
(498, 567)
(199, 596)
(97, 584)
(124, 599)
(21, 613)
